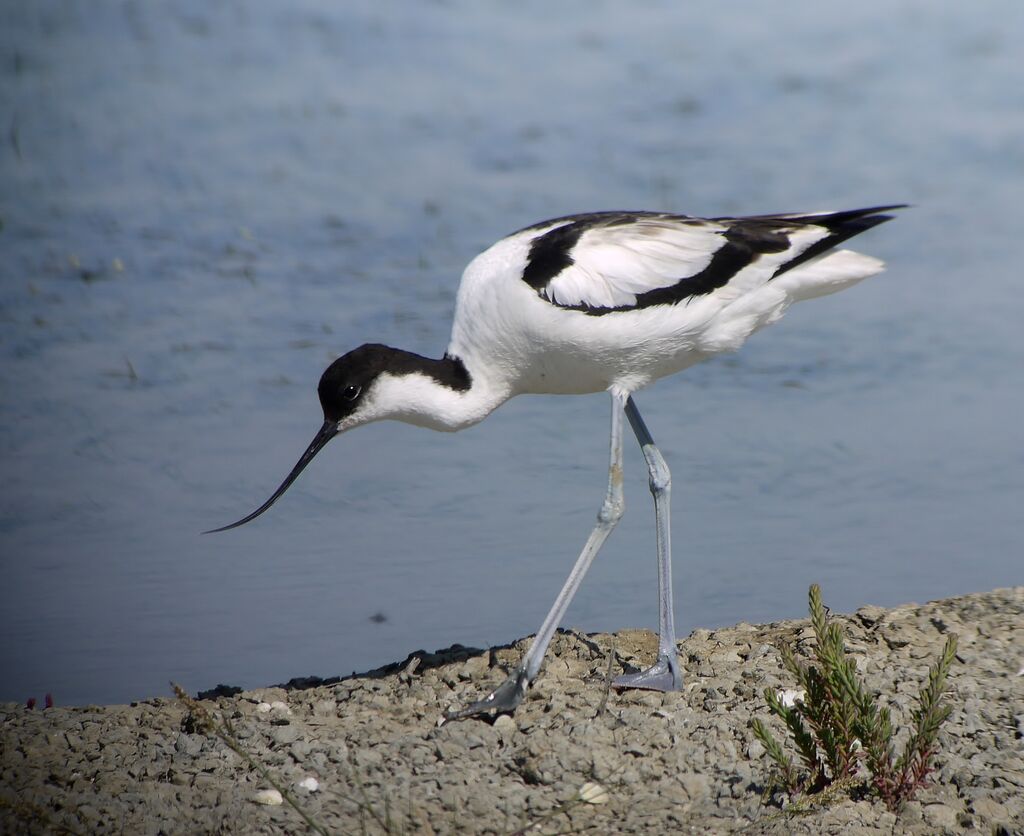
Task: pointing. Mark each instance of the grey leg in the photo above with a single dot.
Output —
(664, 675)
(510, 693)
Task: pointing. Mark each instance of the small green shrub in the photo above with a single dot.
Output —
(839, 726)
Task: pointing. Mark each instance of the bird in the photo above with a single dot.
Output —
(596, 302)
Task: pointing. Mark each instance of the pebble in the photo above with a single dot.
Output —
(593, 793)
(309, 784)
(188, 744)
(696, 785)
(789, 698)
(300, 750)
(941, 816)
(283, 735)
(269, 797)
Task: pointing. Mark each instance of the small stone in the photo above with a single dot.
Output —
(283, 735)
(629, 776)
(300, 750)
(989, 809)
(179, 779)
(593, 793)
(789, 698)
(939, 815)
(696, 785)
(309, 784)
(271, 798)
(474, 668)
(369, 758)
(870, 614)
(188, 744)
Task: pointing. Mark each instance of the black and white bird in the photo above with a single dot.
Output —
(606, 301)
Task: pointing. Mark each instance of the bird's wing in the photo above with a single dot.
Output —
(621, 261)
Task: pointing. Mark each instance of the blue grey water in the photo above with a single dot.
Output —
(203, 204)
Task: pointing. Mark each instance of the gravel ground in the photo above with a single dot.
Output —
(651, 762)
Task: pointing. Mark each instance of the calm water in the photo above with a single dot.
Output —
(204, 203)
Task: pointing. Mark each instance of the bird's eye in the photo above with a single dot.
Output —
(350, 393)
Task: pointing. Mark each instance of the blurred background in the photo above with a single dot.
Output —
(204, 203)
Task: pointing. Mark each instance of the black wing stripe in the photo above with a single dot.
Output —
(744, 242)
(551, 253)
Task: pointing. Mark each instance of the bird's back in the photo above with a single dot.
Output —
(588, 302)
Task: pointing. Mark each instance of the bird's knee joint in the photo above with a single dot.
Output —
(661, 479)
(611, 511)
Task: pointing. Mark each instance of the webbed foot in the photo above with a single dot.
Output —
(502, 699)
(663, 675)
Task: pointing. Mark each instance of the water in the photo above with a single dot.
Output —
(203, 204)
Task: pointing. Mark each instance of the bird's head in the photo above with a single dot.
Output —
(348, 389)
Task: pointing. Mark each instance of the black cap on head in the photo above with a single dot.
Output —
(345, 381)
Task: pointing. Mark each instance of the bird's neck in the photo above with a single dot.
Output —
(440, 394)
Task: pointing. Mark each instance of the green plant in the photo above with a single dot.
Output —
(838, 726)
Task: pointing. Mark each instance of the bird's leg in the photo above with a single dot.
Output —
(665, 674)
(510, 693)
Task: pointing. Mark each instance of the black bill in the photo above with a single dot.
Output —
(324, 434)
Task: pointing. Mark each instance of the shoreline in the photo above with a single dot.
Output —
(643, 761)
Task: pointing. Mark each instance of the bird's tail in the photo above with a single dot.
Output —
(828, 273)
(816, 271)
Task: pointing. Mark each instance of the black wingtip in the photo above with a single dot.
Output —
(827, 219)
(874, 210)
(845, 225)
(875, 213)
(851, 218)
(841, 226)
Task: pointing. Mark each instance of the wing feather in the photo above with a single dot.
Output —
(619, 261)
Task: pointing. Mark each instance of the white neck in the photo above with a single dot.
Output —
(417, 398)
